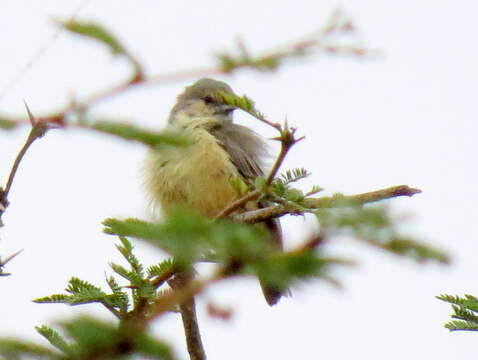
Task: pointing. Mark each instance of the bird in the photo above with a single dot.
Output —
(199, 176)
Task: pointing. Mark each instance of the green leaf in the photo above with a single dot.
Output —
(418, 251)
(91, 334)
(456, 325)
(187, 236)
(283, 269)
(7, 124)
(78, 286)
(95, 337)
(55, 339)
(464, 309)
(132, 276)
(120, 298)
(56, 298)
(130, 132)
(12, 349)
(468, 301)
(242, 102)
(149, 346)
(463, 314)
(127, 251)
(94, 31)
(293, 175)
(374, 226)
(160, 269)
(82, 292)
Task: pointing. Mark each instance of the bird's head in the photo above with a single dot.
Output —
(200, 100)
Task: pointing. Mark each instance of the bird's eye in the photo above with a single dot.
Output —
(208, 99)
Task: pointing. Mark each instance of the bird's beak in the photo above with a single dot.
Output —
(224, 110)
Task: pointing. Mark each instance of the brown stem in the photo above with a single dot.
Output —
(236, 204)
(37, 131)
(287, 140)
(160, 280)
(336, 201)
(187, 308)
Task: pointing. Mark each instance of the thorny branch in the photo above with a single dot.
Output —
(335, 201)
(38, 130)
(269, 60)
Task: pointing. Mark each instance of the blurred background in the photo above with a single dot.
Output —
(405, 116)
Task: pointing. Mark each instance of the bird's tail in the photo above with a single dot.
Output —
(273, 294)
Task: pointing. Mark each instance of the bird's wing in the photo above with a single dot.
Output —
(246, 150)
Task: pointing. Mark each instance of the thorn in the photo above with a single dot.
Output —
(286, 124)
(4, 262)
(30, 115)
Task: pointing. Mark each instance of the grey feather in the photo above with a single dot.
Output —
(246, 150)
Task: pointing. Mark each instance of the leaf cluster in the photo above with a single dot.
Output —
(236, 248)
(374, 226)
(141, 284)
(465, 311)
(87, 338)
(153, 139)
(241, 102)
(95, 31)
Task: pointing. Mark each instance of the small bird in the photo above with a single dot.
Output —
(199, 176)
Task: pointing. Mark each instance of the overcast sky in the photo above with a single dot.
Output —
(405, 117)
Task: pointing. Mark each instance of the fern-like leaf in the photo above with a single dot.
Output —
(56, 339)
(160, 269)
(457, 325)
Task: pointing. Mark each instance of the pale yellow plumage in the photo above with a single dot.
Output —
(197, 176)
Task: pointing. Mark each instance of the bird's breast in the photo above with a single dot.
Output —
(197, 176)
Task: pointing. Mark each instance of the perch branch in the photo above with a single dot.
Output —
(335, 201)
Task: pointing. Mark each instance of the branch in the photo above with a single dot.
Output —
(335, 201)
(287, 140)
(236, 204)
(267, 61)
(189, 318)
(38, 130)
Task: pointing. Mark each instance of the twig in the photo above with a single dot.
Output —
(236, 204)
(336, 201)
(160, 280)
(189, 318)
(37, 131)
(3, 262)
(287, 140)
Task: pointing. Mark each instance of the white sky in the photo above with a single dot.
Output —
(405, 118)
